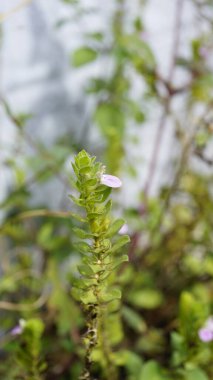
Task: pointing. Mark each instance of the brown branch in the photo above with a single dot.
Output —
(162, 121)
(200, 154)
(168, 100)
(6, 15)
(32, 143)
(4, 305)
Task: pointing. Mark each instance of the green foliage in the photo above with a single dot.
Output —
(67, 274)
(151, 370)
(29, 352)
(83, 55)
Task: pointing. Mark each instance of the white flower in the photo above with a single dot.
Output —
(110, 180)
(124, 229)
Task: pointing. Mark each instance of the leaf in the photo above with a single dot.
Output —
(138, 51)
(195, 374)
(78, 217)
(96, 36)
(130, 360)
(119, 260)
(179, 349)
(114, 328)
(152, 371)
(83, 283)
(76, 170)
(110, 295)
(45, 236)
(122, 240)
(77, 201)
(133, 319)
(84, 296)
(83, 56)
(96, 85)
(108, 115)
(81, 233)
(103, 192)
(107, 206)
(146, 298)
(115, 227)
(85, 270)
(192, 311)
(82, 247)
(85, 170)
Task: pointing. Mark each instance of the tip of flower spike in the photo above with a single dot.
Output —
(110, 181)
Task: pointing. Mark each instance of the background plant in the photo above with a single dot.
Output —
(167, 285)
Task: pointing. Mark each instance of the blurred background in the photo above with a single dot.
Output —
(131, 82)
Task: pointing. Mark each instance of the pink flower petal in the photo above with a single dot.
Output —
(17, 330)
(205, 334)
(110, 180)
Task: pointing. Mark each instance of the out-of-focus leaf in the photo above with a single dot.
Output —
(83, 56)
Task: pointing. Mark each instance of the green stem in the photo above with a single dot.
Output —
(111, 372)
(91, 336)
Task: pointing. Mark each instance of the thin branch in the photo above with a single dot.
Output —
(168, 100)
(37, 213)
(32, 143)
(10, 306)
(6, 15)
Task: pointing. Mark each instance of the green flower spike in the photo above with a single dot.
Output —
(100, 252)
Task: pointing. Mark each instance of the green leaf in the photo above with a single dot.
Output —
(83, 283)
(105, 193)
(81, 233)
(122, 240)
(119, 260)
(192, 312)
(179, 349)
(82, 247)
(110, 294)
(96, 36)
(83, 55)
(108, 115)
(152, 371)
(202, 88)
(195, 374)
(84, 296)
(115, 227)
(85, 270)
(79, 218)
(114, 328)
(146, 298)
(85, 170)
(138, 51)
(45, 236)
(77, 201)
(76, 170)
(133, 319)
(96, 85)
(130, 360)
